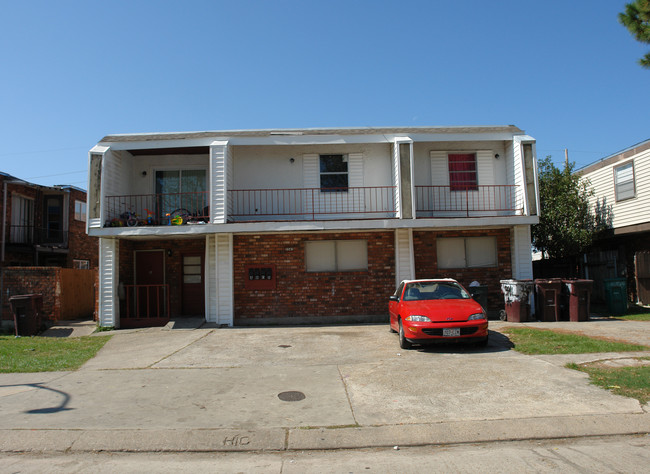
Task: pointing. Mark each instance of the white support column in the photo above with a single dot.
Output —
(220, 178)
(219, 289)
(109, 306)
(404, 259)
(522, 258)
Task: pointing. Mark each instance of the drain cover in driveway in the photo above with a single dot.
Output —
(291, 396)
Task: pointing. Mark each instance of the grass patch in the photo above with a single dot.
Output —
(633, 382)
(47, 354)
(635, 317)
(543, 341)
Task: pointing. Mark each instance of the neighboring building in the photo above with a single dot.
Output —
(45, 226)
(621, 202)
(313, 225)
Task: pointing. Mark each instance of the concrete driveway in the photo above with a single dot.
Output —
(304, 388)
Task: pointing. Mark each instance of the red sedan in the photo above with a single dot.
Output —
(430, 311)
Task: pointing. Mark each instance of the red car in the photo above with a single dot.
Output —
(441, 310)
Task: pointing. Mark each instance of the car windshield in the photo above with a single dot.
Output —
(434, 290)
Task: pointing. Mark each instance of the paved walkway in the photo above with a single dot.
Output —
(279, 388)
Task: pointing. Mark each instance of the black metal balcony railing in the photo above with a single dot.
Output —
(312, 203)
(250, 205)
(487, 200)
(31, 235)
(157, 209)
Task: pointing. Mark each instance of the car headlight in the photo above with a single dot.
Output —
(476, 316)
(418, 318)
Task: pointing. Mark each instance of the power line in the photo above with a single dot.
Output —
(59, 174)
(42, 151)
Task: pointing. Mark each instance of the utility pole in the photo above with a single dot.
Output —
(566, 157)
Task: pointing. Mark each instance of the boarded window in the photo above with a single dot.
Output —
(460, 252)
(624, 181)
(336, 255)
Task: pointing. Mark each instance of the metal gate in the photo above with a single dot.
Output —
(642, 271)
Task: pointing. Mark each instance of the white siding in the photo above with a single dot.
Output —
(218, 182)
(522, 260)
(396, 177)
(211, 314)
(485, 167)
(108, 270)
(404, 261)
(224, 289)
(630, 211)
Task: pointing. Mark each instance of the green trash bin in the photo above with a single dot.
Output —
(616, 295)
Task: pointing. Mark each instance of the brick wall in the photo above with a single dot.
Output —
(80, 245)
(29, 280)
(426, 263)
(305, 294)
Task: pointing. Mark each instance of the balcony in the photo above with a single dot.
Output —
(157, 209)
(479, 201)
(312, 204)
(31, 235)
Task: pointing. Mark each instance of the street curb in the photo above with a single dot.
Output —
(299, 439)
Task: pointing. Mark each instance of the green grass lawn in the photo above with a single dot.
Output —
(47, 354)
(631, 382)
(543, 341)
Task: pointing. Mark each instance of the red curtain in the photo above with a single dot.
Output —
(462, 172)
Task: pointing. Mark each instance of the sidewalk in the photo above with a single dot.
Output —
(211, 389)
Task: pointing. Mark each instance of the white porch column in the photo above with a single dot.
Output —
(404, 259)
(219, 288)
(220, 181)
(522, 258)
(109, 306)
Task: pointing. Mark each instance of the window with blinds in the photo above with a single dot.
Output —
(624, 181)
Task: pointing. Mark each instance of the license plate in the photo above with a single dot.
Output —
(451, 332)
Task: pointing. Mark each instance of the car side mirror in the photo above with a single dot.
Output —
(394, 298)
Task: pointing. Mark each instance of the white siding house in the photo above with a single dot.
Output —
(621, 202)
(303, 225)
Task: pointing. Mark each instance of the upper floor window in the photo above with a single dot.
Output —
(333, 173)
(624, 181)
(181, 189)
(22, 219)
(462, 172)
(80, 211)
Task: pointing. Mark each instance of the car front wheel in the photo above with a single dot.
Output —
(403, 343)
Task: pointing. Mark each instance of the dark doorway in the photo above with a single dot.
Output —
(193, 285)
(150, 296)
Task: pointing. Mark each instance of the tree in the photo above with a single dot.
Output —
(566, 224)
(636, 19)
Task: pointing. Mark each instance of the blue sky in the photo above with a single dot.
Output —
(72, 72)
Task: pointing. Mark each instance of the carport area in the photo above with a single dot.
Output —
(302, 388)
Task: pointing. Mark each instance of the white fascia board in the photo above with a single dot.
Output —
(152, 144)
(524, 139)
(194, 231)
(99, 149)
(403, 140)
(309, 140)
(460, 137)
(219, 143)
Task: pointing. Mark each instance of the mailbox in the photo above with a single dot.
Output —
(260, 277)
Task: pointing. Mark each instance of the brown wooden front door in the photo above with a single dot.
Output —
(193, 285)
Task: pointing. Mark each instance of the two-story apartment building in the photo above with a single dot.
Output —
(313, 225)
(44, 247)
(621, 202)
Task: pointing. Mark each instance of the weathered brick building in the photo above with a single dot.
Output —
(314, 225)
(43, 232)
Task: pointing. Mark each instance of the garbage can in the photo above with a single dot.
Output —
(548, 293)
(480, 295)
(579, 292)
(27, 313)
(516, 294)
(616, 295)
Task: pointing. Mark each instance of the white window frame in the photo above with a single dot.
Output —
(80, 210)
(80, 264)
(335, 265)
(617, 183)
